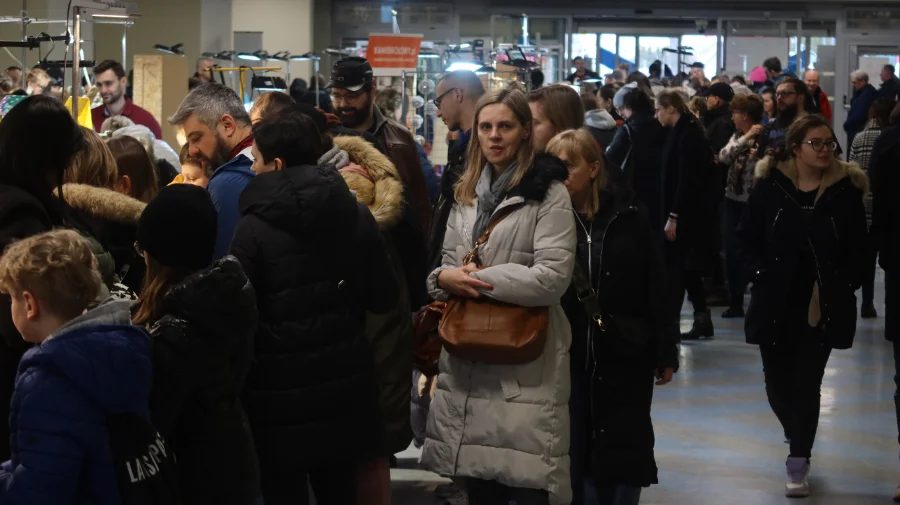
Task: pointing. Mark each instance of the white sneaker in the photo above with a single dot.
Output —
(797, 485)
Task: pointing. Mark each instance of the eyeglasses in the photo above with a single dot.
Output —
(348, 97)
(781, 94)
(437, 101)
(819, 145)
(138, 249)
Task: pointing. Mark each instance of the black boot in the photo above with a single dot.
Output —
(703, 327)
(867, 311)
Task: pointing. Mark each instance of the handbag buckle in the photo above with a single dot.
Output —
(599, 320)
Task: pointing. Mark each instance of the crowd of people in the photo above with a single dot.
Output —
(245, 310)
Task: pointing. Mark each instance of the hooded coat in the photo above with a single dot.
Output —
(202, 353)
(113, 218)
(601, 125)
(775, 231)
(317, 262)
(510, 423)
(95, 365)
(377, 184)
(21, 216)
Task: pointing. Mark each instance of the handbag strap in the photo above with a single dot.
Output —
(498, 216)
(586, 295)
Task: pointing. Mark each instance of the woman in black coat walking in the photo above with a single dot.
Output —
(318, 262)
(202, 317)
(637, 149)
(803, 242)
(691, 194)
(613, 370)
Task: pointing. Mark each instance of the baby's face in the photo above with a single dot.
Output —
(193, 174)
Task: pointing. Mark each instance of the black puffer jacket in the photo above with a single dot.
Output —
(719, 127)
(886, 222)
(775, 231)
(644, 137)
(456, 165)
(202, 352)
(625, 259)
(317, 261)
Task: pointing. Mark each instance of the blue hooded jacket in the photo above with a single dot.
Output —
(95, 365)
(225, 188)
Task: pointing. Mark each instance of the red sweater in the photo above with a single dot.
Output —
(131, 111)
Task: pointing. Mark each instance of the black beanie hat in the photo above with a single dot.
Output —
(178, 227)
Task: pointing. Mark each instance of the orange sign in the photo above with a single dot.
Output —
(389, 54)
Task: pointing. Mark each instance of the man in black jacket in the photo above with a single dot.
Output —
(717, 120)
(457, 93)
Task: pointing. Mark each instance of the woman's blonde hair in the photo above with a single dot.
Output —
(39, 77)
(514, 99)
(94, 165)
(579, 145)
(561, 105)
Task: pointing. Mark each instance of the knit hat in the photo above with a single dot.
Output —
(178, 227)
(721, 90)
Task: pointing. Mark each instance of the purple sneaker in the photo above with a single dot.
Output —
(797, 472)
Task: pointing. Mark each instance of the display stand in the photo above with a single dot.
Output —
(160, 84)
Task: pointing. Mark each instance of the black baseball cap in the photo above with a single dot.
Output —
(352, 74)
(698, 64)
(721, 90)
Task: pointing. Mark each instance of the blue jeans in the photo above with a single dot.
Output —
(618, 495)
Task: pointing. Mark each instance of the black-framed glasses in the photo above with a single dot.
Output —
(818, 145)
(351, 95)
(437, 101)
(138, 249)
(785, 94)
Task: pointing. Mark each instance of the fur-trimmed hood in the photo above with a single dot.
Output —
(374, 179)
(545, 169)
(837, 171)
(102, 203)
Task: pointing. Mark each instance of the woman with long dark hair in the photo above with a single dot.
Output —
(802, 241)
(613, 370)
(201, 315)
(691, 190)
(137, 172)
(32, 165)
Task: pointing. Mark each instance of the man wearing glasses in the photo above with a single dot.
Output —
(791, 99)
(457, 94)
(352, 88)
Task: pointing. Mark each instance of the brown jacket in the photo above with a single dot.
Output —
(401, 150)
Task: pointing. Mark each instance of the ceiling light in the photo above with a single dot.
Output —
(281, 56)
(486, 69)
(255, 56)
(310, 56)
(177, 49)
(429, 55)
(464, 65)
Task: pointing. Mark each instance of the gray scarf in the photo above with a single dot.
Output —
(335, 156)
(490, 191)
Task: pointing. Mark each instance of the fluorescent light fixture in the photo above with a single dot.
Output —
(310, 56)
(592, 80)
(177, 49)
(255, 56)
(111, 16)
(429, 55)
(464, 45)
(281, 56)
(464, 65)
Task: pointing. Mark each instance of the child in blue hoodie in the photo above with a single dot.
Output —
(85, 365)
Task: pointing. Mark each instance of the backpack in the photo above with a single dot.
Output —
(145, 465)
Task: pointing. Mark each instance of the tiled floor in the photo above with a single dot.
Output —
(719, 443)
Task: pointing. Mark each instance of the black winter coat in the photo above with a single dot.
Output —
(456, 165)
(21, 216)
(692, 189)
(884, 166)
(202, 353)
(719, 127)
(774, 232)
(628, 275)
(644, 137)
(318, 263)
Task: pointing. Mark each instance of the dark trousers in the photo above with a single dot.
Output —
(332, 485)
(793, 370)
(489, 492)
(681, 280)
(868, 284)
(619, 495)
(897, 383)
(737, 281)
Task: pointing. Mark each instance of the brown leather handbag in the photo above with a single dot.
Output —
(492, 332)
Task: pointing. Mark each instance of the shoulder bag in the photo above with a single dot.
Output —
(489, 331)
